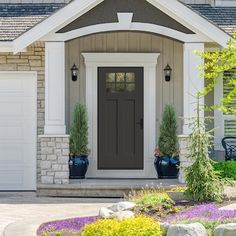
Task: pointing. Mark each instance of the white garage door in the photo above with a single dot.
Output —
(18, 130)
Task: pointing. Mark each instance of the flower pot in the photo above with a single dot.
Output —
(78, 166)
(167, 167)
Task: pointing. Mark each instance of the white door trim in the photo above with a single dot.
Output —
(146, 60)
(29, 75)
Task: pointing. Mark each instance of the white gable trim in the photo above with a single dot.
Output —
(109, 27)
(173, 8)
(53, 23)
(191, 20)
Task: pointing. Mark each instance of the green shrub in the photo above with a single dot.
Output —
(203, 182)
(79, 131)
(139, 226)
(168, 140)
(150, 198)
(227, 169)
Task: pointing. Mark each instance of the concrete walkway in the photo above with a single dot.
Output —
(22, 213)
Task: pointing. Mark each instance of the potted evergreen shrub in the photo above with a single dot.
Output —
(78, 161)
(167, 161)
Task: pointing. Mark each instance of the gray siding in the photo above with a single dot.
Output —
(170, 52)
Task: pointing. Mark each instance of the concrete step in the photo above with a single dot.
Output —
(114, 188)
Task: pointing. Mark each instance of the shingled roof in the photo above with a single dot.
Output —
(223, 17)
(15, 19)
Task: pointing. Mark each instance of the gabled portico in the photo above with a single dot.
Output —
(126, 40)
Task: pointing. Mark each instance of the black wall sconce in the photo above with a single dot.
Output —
(74, 73)
(167, 73)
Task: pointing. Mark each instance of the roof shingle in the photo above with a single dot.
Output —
(223, 17)
(15, 19)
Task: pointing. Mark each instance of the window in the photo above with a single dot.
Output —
(120, 82)
(229, 119)
(225, 124)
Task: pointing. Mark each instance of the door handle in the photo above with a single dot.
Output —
(140, 123)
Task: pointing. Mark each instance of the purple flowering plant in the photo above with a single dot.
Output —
(207, 214)
(65, 227)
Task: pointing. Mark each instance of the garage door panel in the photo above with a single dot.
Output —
(14, 179)
(18, 130)
(11, 85)
(15, 155)
(12, 107)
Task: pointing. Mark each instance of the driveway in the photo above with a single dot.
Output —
(22, 213)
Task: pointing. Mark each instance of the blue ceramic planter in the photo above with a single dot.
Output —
(167, 167)
(78, 166)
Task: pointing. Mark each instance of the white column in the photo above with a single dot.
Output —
(192, 81)
(54, 88)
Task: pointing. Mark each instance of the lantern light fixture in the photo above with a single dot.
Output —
(167, 72)
(74, 73)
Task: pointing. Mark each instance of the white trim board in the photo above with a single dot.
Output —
(70, 12)
(146, 60)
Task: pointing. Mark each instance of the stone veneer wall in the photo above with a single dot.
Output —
(54, 160)
(31, 60)
(184, 161)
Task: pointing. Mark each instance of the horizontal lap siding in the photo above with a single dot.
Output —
(170, 52)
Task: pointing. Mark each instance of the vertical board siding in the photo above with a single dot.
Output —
(171, 52)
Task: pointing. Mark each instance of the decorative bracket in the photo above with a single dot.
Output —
(125, 19)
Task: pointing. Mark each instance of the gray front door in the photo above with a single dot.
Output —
(120, 118)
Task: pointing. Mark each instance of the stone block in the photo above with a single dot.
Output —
(51, 144)
(47, 150)
(59, 140)
(195, 229)
(51, 157)
(56, 167)
(66, 140)
(47, 179)
(225, 230)
(17, 61)
(63, 159)
(3, 59)
(61, 175)
(46, 164)
(65, 152)
(58, 152)
(65, 181)
(57, 181)
(65, 145)
(65, 167)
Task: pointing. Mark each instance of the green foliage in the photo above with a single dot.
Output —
(79, 131)
(216, 63)
(139, 226)
(178, 189)
(168, 140)
(203, 182)
(153, 202)
(152, 199)
(226, 169)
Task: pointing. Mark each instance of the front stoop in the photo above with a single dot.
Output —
(113, 188)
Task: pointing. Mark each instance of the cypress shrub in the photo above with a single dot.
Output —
(168, 140)
(79, 131)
